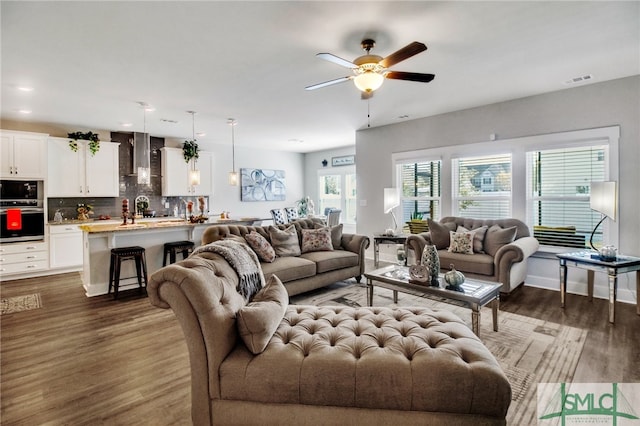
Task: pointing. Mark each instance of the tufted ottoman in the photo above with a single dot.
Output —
(323, 365)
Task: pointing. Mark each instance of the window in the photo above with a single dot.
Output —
(337, 189)
(482, 186)
(559, 185)
(420, 190)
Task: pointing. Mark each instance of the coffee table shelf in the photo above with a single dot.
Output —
(476, 293)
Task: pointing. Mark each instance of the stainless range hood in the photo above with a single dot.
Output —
(141, 158)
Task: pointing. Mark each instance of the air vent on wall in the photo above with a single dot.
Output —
(168, 120)
(581, 79)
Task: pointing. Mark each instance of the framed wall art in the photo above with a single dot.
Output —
(345, 160)
(262, 185)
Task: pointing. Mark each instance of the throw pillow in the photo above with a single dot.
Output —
(461, 242)
(285, 242)
(440, 233)
(259, 319)
(497, 237)
(316, 240)
(261, 246)
(336, 234)
(478, 237)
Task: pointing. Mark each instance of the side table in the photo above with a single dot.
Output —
(386, 239)
(585, 260)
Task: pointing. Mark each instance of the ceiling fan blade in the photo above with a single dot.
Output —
(411, 76)
(402, 54)
(336, 60)
(328, 83)
(366, 95)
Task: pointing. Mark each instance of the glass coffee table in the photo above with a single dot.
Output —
(475, 294)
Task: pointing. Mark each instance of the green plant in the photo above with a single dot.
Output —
(416, 216)
(94, 141)
(190, 150)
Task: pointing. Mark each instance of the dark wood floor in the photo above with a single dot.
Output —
(80, 360)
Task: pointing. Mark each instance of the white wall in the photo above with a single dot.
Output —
(604, 104)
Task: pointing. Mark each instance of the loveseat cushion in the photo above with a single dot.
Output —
(497, 237)
(440, 233)
(376, 357)
(259, 319)
(285, 242)
(331, 260)
(289, 268)
(479, 263)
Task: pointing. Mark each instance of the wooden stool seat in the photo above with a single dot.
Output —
(135, 253)
(172, 248)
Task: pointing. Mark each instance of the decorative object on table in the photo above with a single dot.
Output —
(603, 199)
(608, 253)
(57, 217)
(94, 142)
(125, 210)
(142, 205)
(401, 254)
(84, 210)
(419, 274)
(305, 206)
(431, 261)
(262, 185)
(417, 224)
(391, 200)
(190, 153)
(454, 279)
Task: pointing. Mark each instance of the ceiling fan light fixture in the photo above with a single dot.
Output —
(368, 81)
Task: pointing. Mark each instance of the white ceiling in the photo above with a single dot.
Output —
(91, 62)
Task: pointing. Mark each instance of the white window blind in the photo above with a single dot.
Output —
(482, 187)
(559, 184)
(420, 190)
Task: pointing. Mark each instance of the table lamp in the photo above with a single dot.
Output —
(391, 201)
(603, 200)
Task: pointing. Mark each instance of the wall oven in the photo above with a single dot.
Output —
(21, 211)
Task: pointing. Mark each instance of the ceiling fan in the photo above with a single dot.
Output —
(369, 71)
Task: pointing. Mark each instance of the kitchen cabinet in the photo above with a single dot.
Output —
(65, 246)
(23, 258)
(23, 155)
(175, 174)
(81, 174)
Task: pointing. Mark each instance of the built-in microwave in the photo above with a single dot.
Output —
(21, 211)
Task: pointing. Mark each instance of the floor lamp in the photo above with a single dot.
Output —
(603, 199)
(391, 201)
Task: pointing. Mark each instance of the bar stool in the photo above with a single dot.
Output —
(171, 249)
(120, 254)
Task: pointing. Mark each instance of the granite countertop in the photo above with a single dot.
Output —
(151, 224)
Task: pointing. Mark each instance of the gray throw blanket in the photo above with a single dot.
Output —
(245, 262)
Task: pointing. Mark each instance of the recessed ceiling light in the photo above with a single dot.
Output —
(201, 134)
(24, 111)
(25, 88)
(296, 140)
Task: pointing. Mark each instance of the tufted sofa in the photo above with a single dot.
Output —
(326, 365)
(309, 270)
(505, 262)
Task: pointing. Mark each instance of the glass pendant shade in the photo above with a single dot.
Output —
(194, 177)
(233, 178)
(142, 158)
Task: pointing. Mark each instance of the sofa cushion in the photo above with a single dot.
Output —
(440, 233)
(285, 241)
(331, 260)
(478, 237)
(479, 263)
(461, 242)
(258, 320)
(316, 240)
(289, 268)
(497, 237)
(336, 234)
(261, 246)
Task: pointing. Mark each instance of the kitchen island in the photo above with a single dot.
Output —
(100, 238)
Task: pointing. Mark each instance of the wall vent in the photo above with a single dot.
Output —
(581, 79)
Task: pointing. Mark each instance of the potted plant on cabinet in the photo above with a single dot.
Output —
(94, 141)
(190, 150)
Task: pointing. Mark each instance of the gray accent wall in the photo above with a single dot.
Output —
(610, 103)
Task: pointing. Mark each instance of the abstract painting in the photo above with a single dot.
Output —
(262, 185)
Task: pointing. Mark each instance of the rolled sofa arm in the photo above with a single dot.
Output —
(357, 244)
(514, 252)
(416, 242)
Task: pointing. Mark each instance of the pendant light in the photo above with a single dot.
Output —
(142, 151)
(233, 175)
(194, 173)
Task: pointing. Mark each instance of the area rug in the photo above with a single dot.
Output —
(530, 351)
(27, 302)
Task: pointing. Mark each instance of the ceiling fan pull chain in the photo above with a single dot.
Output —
(369, 112)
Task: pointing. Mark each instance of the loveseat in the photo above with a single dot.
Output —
(255, 360)
(498, 249)
(304, 271)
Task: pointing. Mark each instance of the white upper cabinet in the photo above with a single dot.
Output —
(23, 155)
(81, 174)
(175, 174)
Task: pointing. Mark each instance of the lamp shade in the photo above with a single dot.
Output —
(391, 199)
(368, 81)
(603, 198)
